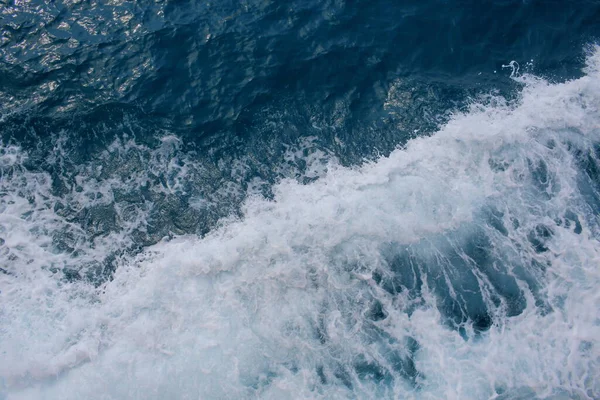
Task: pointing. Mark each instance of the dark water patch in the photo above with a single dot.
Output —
(571, 221)
(589, 177)
(210, 69)
(539, 236)
(474, 274)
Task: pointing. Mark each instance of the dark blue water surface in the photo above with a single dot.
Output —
(147, 120)
(246, 79)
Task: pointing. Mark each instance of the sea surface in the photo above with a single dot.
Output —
(334, 199)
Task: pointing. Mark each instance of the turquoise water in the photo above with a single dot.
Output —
(299, 200)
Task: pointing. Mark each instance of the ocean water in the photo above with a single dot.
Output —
(300, 200)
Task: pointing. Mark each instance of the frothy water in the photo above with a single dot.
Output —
(462, 266)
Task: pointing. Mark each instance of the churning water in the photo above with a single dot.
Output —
(143, 262)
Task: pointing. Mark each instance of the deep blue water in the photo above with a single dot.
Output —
(362, 173)
(246, 80)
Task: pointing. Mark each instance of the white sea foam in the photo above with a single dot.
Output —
(280, 303)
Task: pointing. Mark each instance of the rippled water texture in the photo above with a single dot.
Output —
(304, 199)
